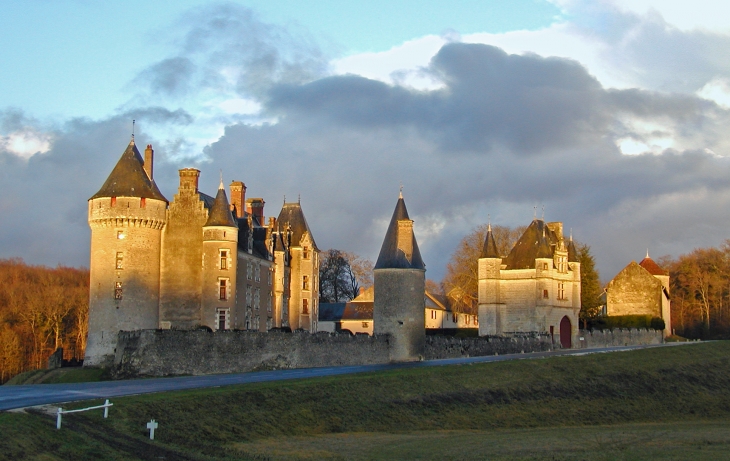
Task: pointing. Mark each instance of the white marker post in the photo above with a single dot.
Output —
(152, 425)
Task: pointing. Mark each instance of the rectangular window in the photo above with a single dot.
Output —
(305, 283)
(223, 319)
(120, 260)
(223, 289)
(305, 306)
(248, 270)
(545, 294)
(454, 318)
(224, 259)
(117, 290)
(142, 202)
(256, 298)
(120, 235)
(114, 201)
(257, 275)
(544, 266)
(364, 324)
(305, 253)
(269, 275)
(561, 290)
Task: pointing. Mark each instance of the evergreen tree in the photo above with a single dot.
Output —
(590, 285)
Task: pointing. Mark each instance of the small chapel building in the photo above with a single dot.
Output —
(535, 289)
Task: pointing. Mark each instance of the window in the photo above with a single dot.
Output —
(305, 283)
(120, 235)
(223, 289)
(120, 260)
(476, 320)
(248, 270)
(248, 296)
(142, 202)
(544, 266)
(364, 324)
(305, 252)
(561, 290)
(468, 318)
(454, 318)
(223, 318)
(257, 276)
(545, 294)
(224, 259)
(114, 201)
(305, 306)
(117, 290)
(269, 275)
(256, 299)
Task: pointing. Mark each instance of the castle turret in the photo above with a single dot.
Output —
(400, 278)
(220, 242)
(126, 217)
(490, 309)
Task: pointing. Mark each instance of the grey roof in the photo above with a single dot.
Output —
(260, 245)
(220, 213)
(538, 241)
(291, 215)
(391, 257)
(572, 252)
(331, 312)
(129, 179)
(490, 247)
(206, 199)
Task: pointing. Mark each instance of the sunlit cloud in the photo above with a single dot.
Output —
(26, 143)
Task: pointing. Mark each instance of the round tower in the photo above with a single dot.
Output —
(400, 289)
(126, 217)
(490, 307)
(220, 256)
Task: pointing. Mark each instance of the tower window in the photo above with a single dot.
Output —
(305, 283)
(118, 290)
(544, 266)
(561, 290)
(120, 260)
(305, 252)
(305, 306)
(257, 275)
(224, 259)
(248, 270)
(120, 235)
(114, 201)
(223, 289)
(223, 319)
(545, 294)
(142, 202)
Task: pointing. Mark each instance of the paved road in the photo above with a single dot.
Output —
(12, 397)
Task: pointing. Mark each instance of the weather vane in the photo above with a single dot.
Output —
(132, 128)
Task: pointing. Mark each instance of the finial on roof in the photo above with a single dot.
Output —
(647, 252)
(534, 212)
(132, 142)
(299, 198)
(489, 223)
(400, 194)
(543, 213)
(221, 184)
(284, 199)
(571, 234)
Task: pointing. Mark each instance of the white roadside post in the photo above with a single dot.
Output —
(62, 411)
(152, 425)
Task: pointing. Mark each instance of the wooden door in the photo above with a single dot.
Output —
(566, 333)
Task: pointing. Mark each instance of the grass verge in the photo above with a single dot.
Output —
(682, 387)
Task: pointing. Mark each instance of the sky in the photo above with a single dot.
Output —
(612, 116)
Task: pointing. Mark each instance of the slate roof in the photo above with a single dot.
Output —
(390, 256)
(652, 267)
(490, 247)
(291, 215)
(572, 252)
(129, 179)
(330, 312)
(260, 245)
(220, 213)
(538, 241)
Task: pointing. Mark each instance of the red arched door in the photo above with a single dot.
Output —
(565, 333)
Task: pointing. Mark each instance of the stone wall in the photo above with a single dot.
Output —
(618, 337)
(449, 347)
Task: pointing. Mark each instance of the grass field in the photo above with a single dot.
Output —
(666, 403)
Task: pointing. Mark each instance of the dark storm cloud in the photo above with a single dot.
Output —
(226, 47)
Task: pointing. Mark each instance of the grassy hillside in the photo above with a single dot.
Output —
(445, 412)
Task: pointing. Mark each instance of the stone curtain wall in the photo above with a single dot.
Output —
(619, 337)
(176, 352)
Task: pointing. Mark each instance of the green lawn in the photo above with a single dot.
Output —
(665, 403)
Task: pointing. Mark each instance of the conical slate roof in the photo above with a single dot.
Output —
(292, 216)
(572, 252)
(490, 247)
(536, 242)
(128, 178)
(220, 213)
(391, 257)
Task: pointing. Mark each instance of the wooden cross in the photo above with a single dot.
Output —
(152, 425)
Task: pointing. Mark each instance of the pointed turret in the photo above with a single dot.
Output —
(490, 247)
(400, 249)
(572, 251)
(220, 213)
(129, 178)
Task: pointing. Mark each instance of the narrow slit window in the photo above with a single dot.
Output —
(120, 260)
(118, 290)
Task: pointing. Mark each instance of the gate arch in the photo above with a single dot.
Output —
(566, 333)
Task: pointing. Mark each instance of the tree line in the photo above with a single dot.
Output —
(41, 309)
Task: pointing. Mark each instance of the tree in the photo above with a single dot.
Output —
(590, 285)
(460, 282)
(341, 274)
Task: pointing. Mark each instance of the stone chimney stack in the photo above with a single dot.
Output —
(189, 180)
(238, 197)
(255, 206)
(405, 237)
(149, 157)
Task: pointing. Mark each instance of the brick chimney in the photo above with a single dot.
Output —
(149, 157)
(238, 197)
(189, 180)
(255, 206)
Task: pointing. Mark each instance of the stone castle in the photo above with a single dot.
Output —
(196, 262)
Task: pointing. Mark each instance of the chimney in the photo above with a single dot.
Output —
(238, 197)
(189, 180)
(149, 157)
(255, 206)
(405, 237)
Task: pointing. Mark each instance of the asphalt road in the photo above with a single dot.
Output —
(12, 397)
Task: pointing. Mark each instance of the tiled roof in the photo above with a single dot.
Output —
(391, 257)
(129, 179)
(652, 267)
